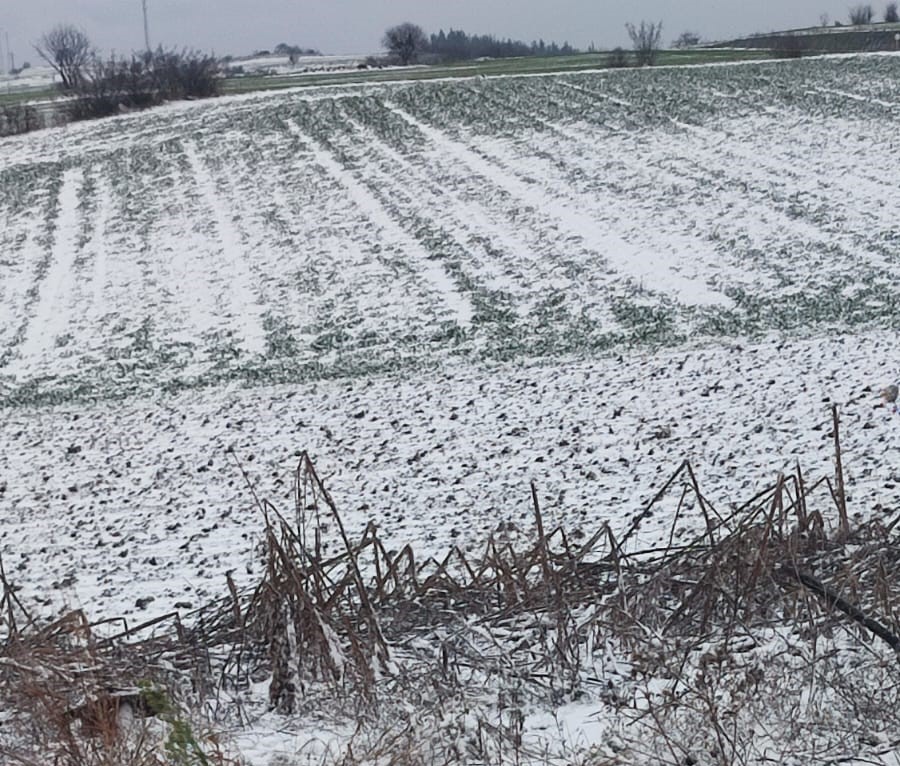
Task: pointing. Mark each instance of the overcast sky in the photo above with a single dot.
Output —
(356, 26)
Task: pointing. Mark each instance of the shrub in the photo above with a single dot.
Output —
(16, 119)
(617, 58)
(687, 40)
(186, 74)
(120, 84)
(113, 86)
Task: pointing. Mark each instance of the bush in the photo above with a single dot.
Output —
(120, 84)
(16, 119)
(185, 75)
(113, 86)
(687, 40)
(68, 700)
(617, 58)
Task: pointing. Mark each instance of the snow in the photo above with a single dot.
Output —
(391, 233)
(49, 320)
(283, 65)
(437, 459)
(651, 269)
(442, 291)
(242, 309)
(32, 78)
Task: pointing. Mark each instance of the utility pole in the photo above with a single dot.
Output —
(146, 27)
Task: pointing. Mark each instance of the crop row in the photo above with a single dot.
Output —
(295, 236)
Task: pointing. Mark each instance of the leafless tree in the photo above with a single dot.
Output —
(687, 40)
(862, 14)
(891, 15)
(405, 41)
(68, 50)
(645, 41)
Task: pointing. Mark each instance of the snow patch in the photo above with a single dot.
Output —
(457, 304)
(245, 314)
(48, 319)
(657, 271)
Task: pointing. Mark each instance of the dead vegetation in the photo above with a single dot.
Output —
(772, 636)
(71, 698)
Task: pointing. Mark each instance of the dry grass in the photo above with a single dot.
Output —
(772, 635)
(72, 698)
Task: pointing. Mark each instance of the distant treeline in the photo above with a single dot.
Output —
(456, 45)
(285, 49)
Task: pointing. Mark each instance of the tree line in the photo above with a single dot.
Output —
(409, 43)
(457, 45)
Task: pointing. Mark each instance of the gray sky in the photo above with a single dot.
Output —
(355, 26)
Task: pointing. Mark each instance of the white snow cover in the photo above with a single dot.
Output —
(134, 499)
(442, 291)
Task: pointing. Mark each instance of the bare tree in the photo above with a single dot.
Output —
(862, 14)
(405, 41)
(645, 41)
(891, 15)
(68, 50)
(687, 40)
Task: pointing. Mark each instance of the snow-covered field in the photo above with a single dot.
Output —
(442, 291)
(115, 502)
(33, 78)
(295, 237)
(277, 64)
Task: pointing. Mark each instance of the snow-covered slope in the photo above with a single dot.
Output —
(345, 232)
(442, 291)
